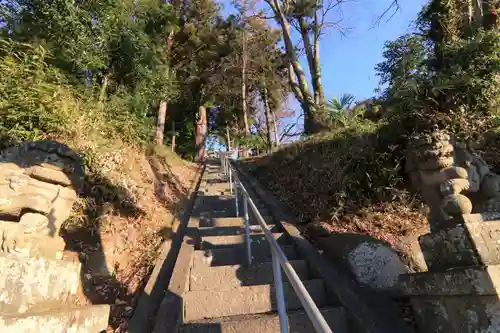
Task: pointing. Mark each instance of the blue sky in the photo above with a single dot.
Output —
(348, 61)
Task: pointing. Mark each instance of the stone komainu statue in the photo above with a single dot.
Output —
(39, 285)
(452, 178)
(38, 186)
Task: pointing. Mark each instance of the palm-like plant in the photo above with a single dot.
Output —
(339, 109)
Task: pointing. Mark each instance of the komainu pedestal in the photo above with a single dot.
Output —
(460, 293)
(38, 186)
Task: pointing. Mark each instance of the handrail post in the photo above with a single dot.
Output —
(236, 196)
(280, 294)
(224, 165)
(281, 264)
(230, 178)
(246, 218)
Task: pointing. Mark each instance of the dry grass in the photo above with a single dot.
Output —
(347, 181)
(130, 201)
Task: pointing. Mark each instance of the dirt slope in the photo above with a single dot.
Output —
(345, 183)
(126, 210)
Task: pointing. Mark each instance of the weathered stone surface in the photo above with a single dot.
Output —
(376, 265)
(468, 244)
(38, 183)
(479, 280)
(29, 282)
(372, 262)
(92, 319)
(457, 314)
(41, 246)
(452, 178)
(47, 154)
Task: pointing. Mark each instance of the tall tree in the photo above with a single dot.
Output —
(308, 17)
(162, 110)
(244, 60)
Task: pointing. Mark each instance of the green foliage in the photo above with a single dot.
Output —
(35, 99)
(446, 75)
(39, 102)
(344, 115)
(102, 63)
(258, 142)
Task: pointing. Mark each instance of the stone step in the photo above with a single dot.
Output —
(30, 282)
(221, 222)
(229, 277)
(217, 206)
(233, 230)
(90, 319)
(298, 322)
(237, 255)
(211, 242)
(203, 304)
(230, 221)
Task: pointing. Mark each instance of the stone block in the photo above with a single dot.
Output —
(42, 246)
(371, 261)
(457, 314)
(467, 244)
(26, 283)
(470, 281)
(91, 319)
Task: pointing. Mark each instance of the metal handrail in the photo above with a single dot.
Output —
(279, 259)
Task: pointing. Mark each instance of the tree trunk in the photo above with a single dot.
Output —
(160, 123)
(228, 139)
(491, 10)
(276, 136)
(104, 87)
(267, 110)
(201, 133)
(162, 112)
(244, 69)
(174, 136)
(313, 118)
(312, 56)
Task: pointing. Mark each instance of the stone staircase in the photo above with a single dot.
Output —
(224, 294)
(38, 292)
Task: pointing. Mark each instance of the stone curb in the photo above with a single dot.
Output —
(143, 319)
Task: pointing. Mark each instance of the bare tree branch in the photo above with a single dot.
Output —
(393, 8)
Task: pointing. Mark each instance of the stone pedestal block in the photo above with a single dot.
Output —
(27, 283)
(460, 293)
(462, 300)
(42, 246)
(92, 319)
(467, 244)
